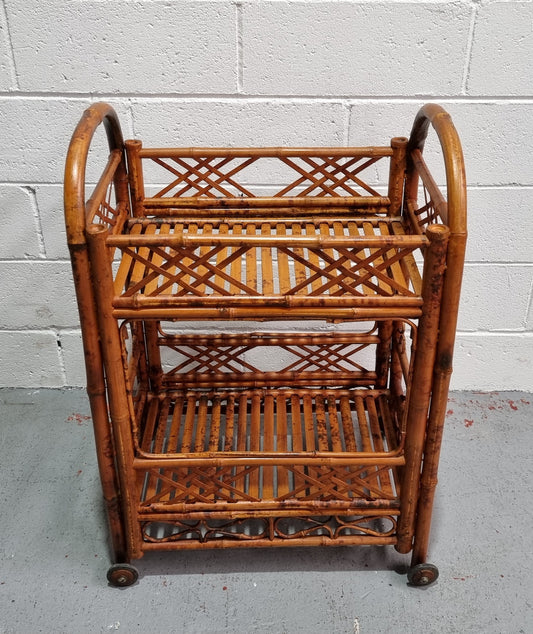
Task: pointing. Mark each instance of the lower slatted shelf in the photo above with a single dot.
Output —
(251, 448)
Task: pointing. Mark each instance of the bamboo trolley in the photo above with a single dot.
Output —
(250, 436)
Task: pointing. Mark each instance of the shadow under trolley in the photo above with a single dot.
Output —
(212, 434)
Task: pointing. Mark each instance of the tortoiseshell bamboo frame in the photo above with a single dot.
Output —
(351, 226)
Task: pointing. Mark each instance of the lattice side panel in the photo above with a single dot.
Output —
(425, 212)
(433, 208)
(106, 206)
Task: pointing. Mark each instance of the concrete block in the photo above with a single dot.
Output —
(497, 137)
(29, 359)
(500, 225)
(347, 48)
(73, 359)
(502, 50)
(36, 134)
(112, 47)
(497, 362)
(18, 238)
(495, 297)
(234, 124)
(50, 205)
(38, 294)
(497, 140)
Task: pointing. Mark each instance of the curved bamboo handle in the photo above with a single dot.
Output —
(453, 159)
(74, 187)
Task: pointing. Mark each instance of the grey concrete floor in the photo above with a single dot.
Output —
(54, 557)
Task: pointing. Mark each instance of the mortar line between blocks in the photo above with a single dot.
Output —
(468, 52)
(348, 122)
(529, 307)
(274, 98)
(11, 56)
(239, 46)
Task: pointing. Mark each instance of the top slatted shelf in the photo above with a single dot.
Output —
(323, 265)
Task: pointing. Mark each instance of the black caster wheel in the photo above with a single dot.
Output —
(122, 575)
(422, 575)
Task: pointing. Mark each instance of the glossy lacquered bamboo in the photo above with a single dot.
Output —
(434, 115)
(119, 407)
(133, 405)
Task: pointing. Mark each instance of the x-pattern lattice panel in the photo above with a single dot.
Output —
(270, 260)
(228, 177)
(211, 356)
(279, 483)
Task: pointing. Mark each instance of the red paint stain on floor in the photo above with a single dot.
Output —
(512, 405)
(449, 412)
(468, 422)
(78, 418)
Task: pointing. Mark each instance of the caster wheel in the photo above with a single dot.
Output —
(422, 575)
(122, 575)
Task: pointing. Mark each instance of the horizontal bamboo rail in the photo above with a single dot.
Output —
(358, 313)
(169, 205)
(312, 242)
(264, 458)
(289, 508)
(268, 338)
(343, 540)
(273, 152)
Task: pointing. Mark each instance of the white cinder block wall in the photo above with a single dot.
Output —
(228, 72)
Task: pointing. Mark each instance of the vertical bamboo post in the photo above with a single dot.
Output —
(421, 385)
(397, 174)
(439, 398)
(97, 398)
(155, 371)
(383, 354)
(135, 171)
(456, 198)
(116, 384)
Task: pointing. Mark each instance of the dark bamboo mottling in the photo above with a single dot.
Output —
(265, 438)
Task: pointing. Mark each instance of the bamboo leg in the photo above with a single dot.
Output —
(439, 399)
(97, 399)
(116, 385)
(417, 412)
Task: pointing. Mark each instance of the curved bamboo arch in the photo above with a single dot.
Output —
(453, 159)
(76, 163)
